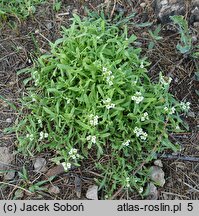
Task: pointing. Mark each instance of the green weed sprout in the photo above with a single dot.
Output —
(186, 39)
(93, 100)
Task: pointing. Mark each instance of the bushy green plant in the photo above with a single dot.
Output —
(18, 8)
(93, 99)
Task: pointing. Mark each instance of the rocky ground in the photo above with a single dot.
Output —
(22, 41)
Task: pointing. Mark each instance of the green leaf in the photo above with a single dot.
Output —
(47, 110)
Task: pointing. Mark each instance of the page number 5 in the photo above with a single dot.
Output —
(190, 206)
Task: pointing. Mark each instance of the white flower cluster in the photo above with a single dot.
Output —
(40, 123)
(170, 111)
(126, 143)
(30, 136)
(142, 64)
(137, 97)
(108, 103)
(140, 190)
(94, 120)
(127, 182)
(140, 133)
(108, 75)
(73, 153)
(43, 135)
(67, 100)
(91, 138)
(185, 106)
(145, 116)
(66, 166)
(165, 80)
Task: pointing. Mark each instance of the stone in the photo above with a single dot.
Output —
(143, 5)
(194, 18)
(9, 175)
(92, 192)
(157, 175)
(165, 8)
(158, 163)
(191, 114)
(9, 120)
(152, 192)
(55, 171)
(54, 190)
(5, 158)
(196, 24)
(39, 165)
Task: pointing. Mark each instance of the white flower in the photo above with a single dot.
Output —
(74, 157)
(39, 121)
(27, 135)
(126, 143)
(139, 133)
(137, 97)
(46, 135)
(68, 165)
(165, 80)
(166, 109)
(31, 137)
(94, 121)
(88, 137)
(177, 127)
(65, 166)
(93, 139)
(110, 83)
(185, 106)
(172, 110)
(110, 106)
(75, 151)
(127, 185)
(33, 99)
(144, 116)
(141, 65)
(140, 190)
(104, 69)
(109, 73)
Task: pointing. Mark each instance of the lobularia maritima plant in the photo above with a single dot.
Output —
(93, 99)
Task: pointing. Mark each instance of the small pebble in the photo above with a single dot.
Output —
(152, 191)
(158, 163)
(9, 120)
(143, 5)
(39, 164)
(54, 190)
(9, 176)
(157, 175)
(196, 24)
(92, 192)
